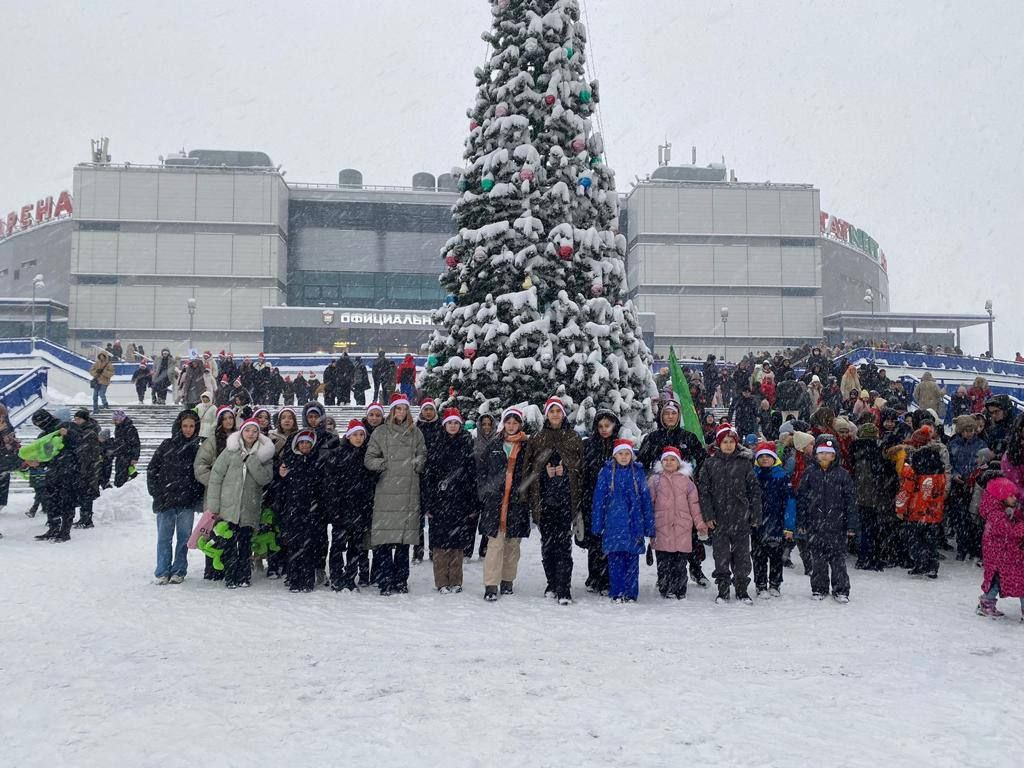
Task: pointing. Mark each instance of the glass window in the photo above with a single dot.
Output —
(311, 292)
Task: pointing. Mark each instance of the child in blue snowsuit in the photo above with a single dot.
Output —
(778, 520)
(622, 516)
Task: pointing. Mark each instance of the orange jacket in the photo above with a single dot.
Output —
(922, 498)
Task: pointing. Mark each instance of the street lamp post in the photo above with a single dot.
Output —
(991, 318)
(191, 321)
(37, 282)
(869, 299)
(725, 335)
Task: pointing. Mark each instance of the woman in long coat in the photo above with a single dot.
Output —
(397, 451)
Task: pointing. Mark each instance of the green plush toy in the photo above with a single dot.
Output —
(213, 546)
(265, 540)
(43, 449)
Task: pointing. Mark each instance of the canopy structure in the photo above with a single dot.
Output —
(870, 323)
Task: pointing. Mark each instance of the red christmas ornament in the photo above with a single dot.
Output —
(450, 260)
(549, 99)
(565, 252)
(470, 352)
(473, 125)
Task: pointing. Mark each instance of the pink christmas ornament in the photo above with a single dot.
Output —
(565, 252)
(578, 145)
(526, 174)
(549, 99)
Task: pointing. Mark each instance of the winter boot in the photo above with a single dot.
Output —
(841, 599)
(49, 534)
(490, 594)
(723, 591)
(506, 588)
(987, 607)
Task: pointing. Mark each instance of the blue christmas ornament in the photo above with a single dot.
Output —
(585, 182)
(450, 299)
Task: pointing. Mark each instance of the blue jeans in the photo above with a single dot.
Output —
(99, 392)
(176, 520)
(623, 575)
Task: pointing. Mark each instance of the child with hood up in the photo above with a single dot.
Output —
(676, 513)
(622, 516)
(1002, 546)
(778, 521)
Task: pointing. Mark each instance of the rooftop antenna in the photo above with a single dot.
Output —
(665, 153)
(101, 150)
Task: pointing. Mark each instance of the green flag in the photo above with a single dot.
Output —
(682, 389)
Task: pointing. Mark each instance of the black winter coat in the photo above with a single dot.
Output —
(596, 452)
(63, 475)
(825, 502)
(170, 476)
(298, 496)
(787, 395)
(730, 493)
(868, 471)
(745, 411)
(90, 459)
(689, 446)
(126, 440)
(448, 491)
(348, 503)
(491, 488)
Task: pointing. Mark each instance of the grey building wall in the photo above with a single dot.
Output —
(43, 250)
(146, 239)
(847, 274)
(697, 247)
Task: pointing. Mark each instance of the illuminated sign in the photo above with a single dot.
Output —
(30, 215)
(382, 318)
(835, 228)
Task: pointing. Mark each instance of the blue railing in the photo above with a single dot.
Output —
(24, 390)
(981, 366)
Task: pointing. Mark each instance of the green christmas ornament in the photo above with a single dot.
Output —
(585, 96)
(569, 52)
(487, 184)
(431, 361)
(595, 160)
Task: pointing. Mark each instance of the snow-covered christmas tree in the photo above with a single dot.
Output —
(537, 299)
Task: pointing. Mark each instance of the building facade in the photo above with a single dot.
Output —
(162, 254)
(720, 265)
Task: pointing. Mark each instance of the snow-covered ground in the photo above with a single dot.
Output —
(99, 667)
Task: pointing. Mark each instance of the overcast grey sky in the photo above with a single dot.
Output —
(907, 115)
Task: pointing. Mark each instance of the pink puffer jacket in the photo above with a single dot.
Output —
(1001, 542)
(676, 511)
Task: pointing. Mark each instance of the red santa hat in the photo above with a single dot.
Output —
(207, 353)
(354, 426)
(260, 410)
(428, 402)
(261, 355)
(250, 422)
(765, 449)
(398, 398)
(622, 444)
(375, 407)
(512, 413)
(675, 453)
(238, 381)
(724, 431)
(553, 402)
(305, 436)
(224, 379)
(451, 414)
(224, 409)
(222, 353)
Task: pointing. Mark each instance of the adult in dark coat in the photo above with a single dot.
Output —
(485, 431)
(449, 488)
(276, 388)
(348, 507)
(177, 496)
(63, 477)
(710, 375)
(730, 500)
(299, 497)
(504, 506)
(745, 411)
(360, 381)
(262, 383)
(90, 461)
(383, 378)
(127, 448)
(826, 513)
(331, 383)
(868, 472)
(670, 432)
(554, 458)
(142, 379)
(597, 450)
(346, 375)
(163, 376)
(300, 389)
(314, 418)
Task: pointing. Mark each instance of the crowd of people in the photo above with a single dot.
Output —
(830, 460)
(250, 381)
